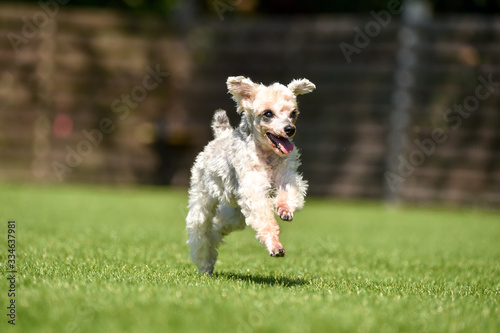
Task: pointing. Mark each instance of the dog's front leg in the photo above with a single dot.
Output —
(256, 207)
(290, 198)
(283, 209)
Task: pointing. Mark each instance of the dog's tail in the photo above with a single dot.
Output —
(220, 124)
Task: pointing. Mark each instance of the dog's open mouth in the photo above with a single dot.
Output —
(280, 144)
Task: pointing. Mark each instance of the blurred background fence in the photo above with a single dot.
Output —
(407, 111)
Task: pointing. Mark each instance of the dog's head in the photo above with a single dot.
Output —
(271, 111)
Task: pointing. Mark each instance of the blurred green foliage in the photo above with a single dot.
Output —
(279, 6)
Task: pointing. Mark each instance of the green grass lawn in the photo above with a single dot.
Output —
(96, 259)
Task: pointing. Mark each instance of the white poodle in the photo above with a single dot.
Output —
(247, 173)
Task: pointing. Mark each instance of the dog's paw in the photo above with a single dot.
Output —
(205, 272)
(285, 213)
(279, 252)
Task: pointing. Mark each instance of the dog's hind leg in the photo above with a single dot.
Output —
(228, 219)
(204, 249)
(199, 224)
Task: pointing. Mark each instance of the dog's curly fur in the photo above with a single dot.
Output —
(247, 173)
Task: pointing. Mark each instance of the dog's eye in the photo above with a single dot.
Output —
(268, 114)
(293, 115)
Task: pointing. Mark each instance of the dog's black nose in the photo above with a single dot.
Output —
(289, 130)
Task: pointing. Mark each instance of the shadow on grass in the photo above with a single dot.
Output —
(264, 280)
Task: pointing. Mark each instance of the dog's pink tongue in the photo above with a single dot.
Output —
(284, 145)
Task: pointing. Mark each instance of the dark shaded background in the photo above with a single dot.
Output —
(279, 7)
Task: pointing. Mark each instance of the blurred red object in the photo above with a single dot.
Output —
(63, 126)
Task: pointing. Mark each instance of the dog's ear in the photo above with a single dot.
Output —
(240, 87)
(243, 91)
(301, 86)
